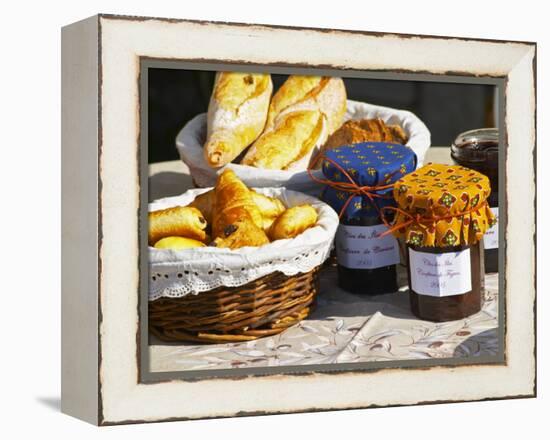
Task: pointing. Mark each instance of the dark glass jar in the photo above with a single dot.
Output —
(359, 183)
(360, 280)
(478, 150)
(451, 264)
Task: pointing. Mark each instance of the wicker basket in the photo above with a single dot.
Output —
(263, 307)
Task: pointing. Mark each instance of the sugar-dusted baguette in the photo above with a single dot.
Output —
(302, 114)
(237, 114)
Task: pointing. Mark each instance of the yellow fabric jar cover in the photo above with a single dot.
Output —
(442, 205)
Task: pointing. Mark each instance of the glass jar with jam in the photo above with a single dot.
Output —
(478, 150)
(439, 300)
(359, 181)
(442, 214)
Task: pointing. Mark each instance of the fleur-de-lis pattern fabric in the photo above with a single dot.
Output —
(437, 190)
(369, 164)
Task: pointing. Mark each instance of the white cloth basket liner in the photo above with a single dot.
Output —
(191, 138)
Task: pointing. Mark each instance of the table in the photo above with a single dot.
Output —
(343, 328)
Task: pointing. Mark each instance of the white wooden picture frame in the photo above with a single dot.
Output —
(103, 381)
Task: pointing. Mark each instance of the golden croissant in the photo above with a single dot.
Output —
(236, 208)
(270, 207)
(242, 232)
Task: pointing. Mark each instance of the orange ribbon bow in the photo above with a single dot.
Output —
(350, 187)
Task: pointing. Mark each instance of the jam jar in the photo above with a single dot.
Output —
(427, 260)
(359, 183)
(366, 275)
(443, 215)
(478, 150)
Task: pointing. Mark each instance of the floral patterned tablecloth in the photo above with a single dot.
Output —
(347, 328)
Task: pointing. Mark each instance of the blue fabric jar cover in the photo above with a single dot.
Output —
(368, 164)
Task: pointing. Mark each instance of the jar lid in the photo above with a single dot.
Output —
(477, 145)
(443, 205)
(368, 164)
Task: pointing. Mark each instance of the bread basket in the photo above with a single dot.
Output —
(215, 295)
(191, 138)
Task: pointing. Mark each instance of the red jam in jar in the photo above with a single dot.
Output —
(478, 150)
(442, 214)
(456, 292)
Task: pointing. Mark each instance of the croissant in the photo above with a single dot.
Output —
(181, 221)
(270, 207)
(293, 222)
(302, 114)
(242, 232)
(233, 202)
(205, 203)
(236, 114)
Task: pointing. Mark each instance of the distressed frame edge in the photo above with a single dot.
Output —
(80, 360)
(530, 55)
(275, 27)
(106, 422)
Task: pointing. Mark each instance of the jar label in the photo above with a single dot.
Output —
(440, 274)
(361, 247)
(490, 239)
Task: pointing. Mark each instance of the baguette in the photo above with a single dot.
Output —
(236, 114)
(302, 114)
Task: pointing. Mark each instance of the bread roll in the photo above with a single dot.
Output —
(182, 221)
(293, 222)
(236, 114)
(302, 114)
(365, 130)
(178, 243)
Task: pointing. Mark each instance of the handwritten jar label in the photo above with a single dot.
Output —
(440, 274)
(360, 247)
(490, 239)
